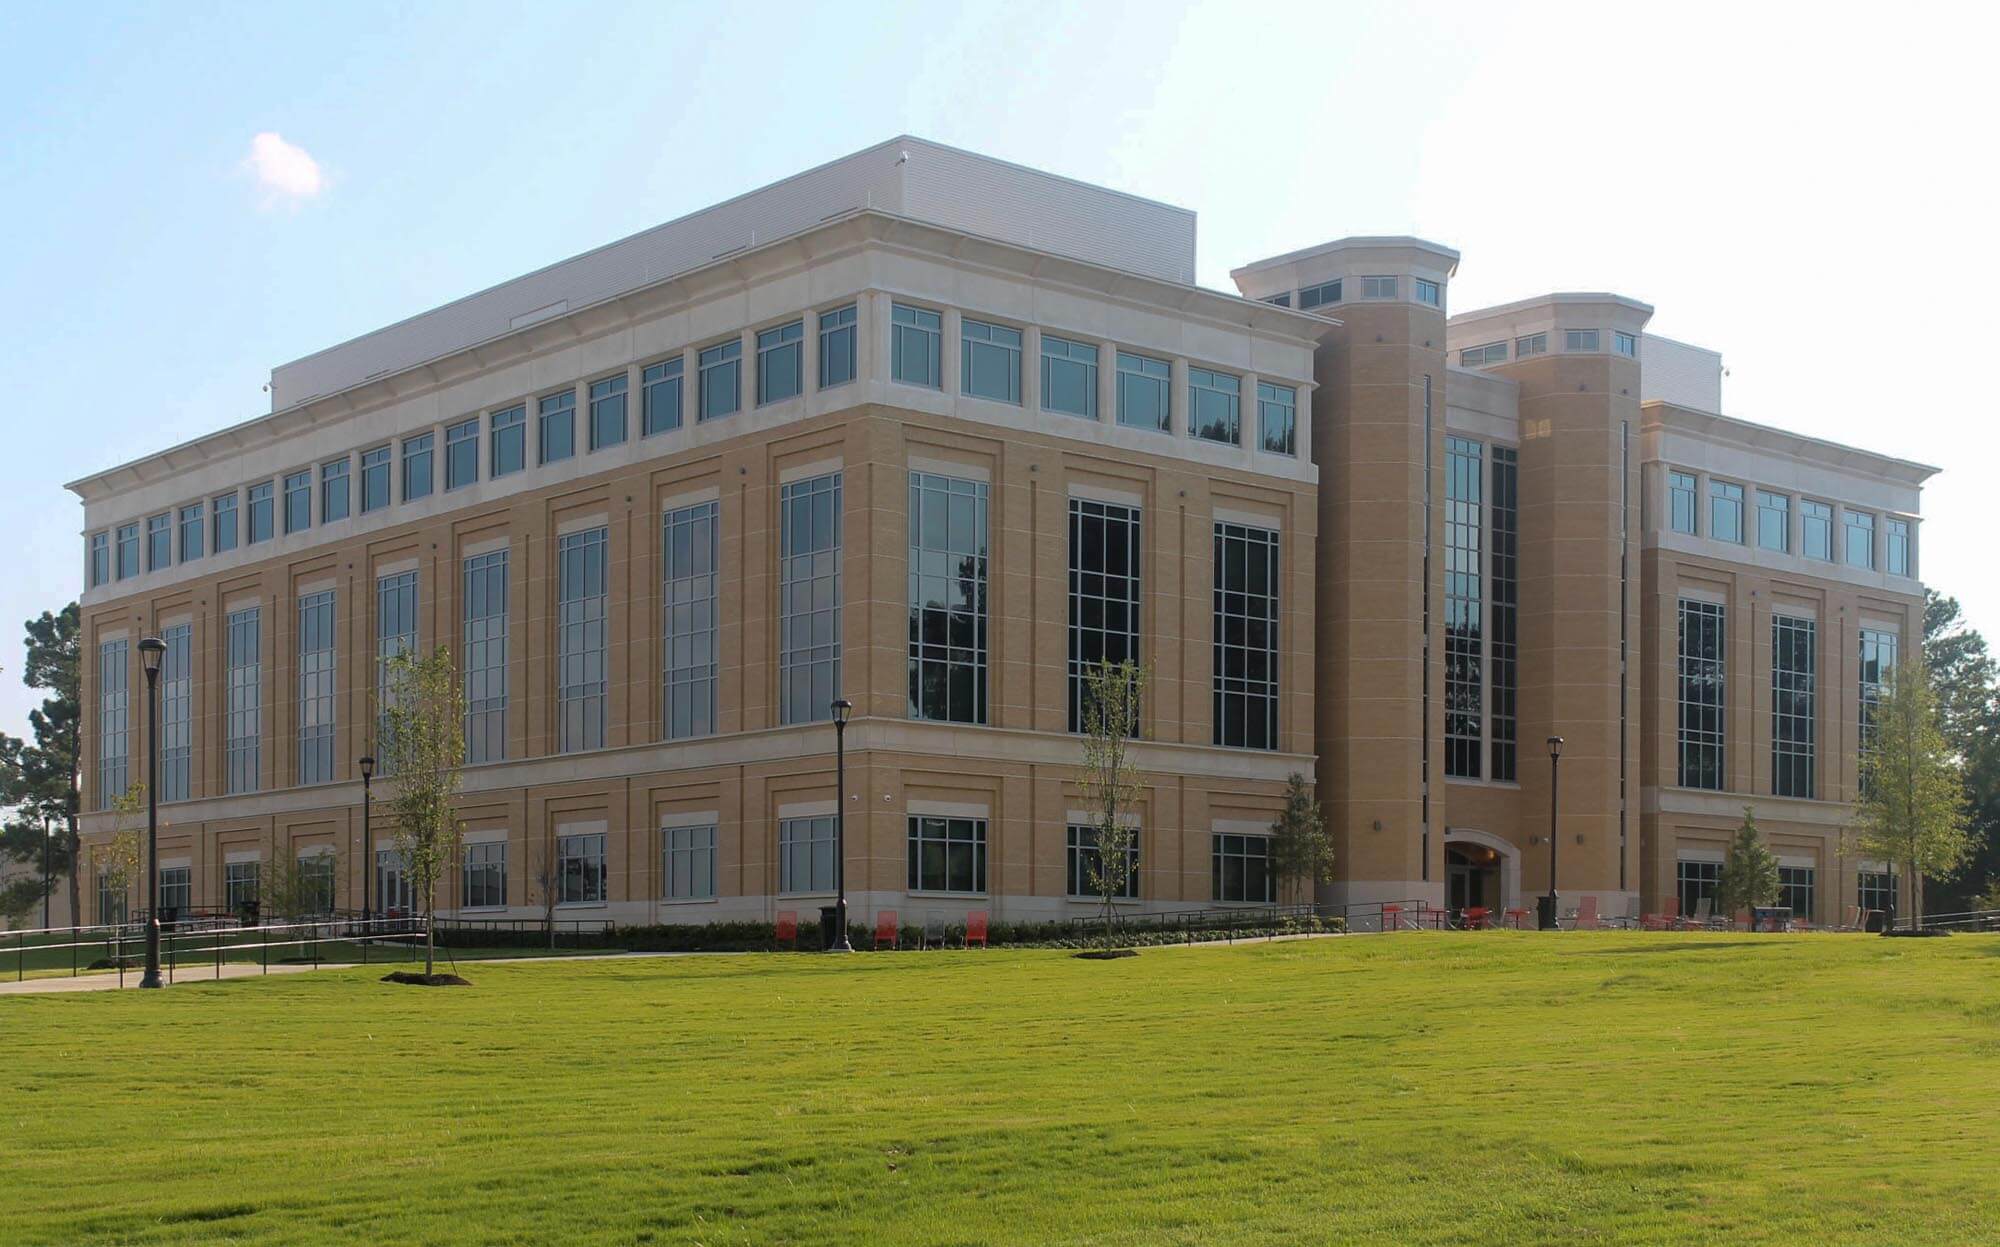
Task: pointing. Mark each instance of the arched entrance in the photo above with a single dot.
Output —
(1480, 871)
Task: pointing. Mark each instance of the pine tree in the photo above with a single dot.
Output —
(1301, 851)
(1749, 871)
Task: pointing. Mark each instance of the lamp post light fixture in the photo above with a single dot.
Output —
(151, 650)
(367, 832)
(1548, 913)
(842, 711)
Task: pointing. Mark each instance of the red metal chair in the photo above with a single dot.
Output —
(1517, 919)
(975, 928)
(887, 928)
(1666, 920)
(788, 927)
(1478, 918)
(1586, 914)
(1392, 917)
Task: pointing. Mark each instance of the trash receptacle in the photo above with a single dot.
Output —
(1545, 913)
(829, 926)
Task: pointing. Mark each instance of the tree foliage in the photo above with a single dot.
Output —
(1301, 850)
(39, 777)
(423, 738)
(296, 887)
(1749, 870)
(1913, 808)
(1967, 680)
(1108, 782)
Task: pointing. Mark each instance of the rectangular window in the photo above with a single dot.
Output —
(241, 886)
(394, 895)
(1533, 344)
(375, 478)
(316, 885)
(1816, 529)
(508, 452)
(1240, 869)
(1580, 340)
(1246, 636)
(1145, 388)
(100, 558)
(721, 375)
(607, 412)
(947, 598)
(113, 900)
(243, 725)
(485, 578)
(1701, 695)
(114, 708)
(159, 541)
(395, 633)
(298, 501)
(485, 883)
(1875, 890)
(1480, 356)
(1277, 418)
(1860, 543)
(991, 357)
(1428, 292)
(1069, 377)
(177, 712)
(333, 495)
(1104, 602)
(1503, 520)
(947, 854)
(555, 423)
(1795, 889)
(1214, 406)
(837, 346)
(261, 517)
(660, 397)
(1697, 882)
(1896, 547)
(580, 869)
(128, 551)
(1464, 608)
(1084, 859)
(1725, 512)
(1681, 501)
(461, 453)
(1879, 656)
(1279, 300)
(222, 516)
(418, 477)
(1794, 664)
(1626, 344)
(805, 854)
(781, 362)
(689, 546)
(1319, 296)
(1774, 521)
(581, 641)
(916, 346)
(176, 892)
(1380, 287)
(809, 599)
(687, 863)
(316, 687)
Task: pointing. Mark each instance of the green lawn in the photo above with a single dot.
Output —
(1421, 1088)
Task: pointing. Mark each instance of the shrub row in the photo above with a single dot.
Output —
(763, 936)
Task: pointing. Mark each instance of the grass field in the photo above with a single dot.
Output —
(1421, 1088)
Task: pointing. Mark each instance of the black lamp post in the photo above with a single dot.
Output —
(151, 650)
(1548, 916)
(367, 832)
(48, 884)
(842, 711)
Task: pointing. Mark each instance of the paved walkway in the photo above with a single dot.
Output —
(107, 980)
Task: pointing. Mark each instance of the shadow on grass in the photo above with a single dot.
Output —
(1706, 946)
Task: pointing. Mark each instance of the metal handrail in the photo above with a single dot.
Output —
(220, 940)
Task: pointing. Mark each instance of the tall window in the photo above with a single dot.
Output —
(508, 449)
(836, 346)
(1464, 609)
(992, 361)
(947, 598)
(1896, 547)
(580, 868)
(1816, 529)
(461, 453)
(1278, 418)
(1697, 882)
(1774, 521)
(243, 725)
(418, 476)
(114, 708)
(1240, 869)
(395, 633)
(1104, 605)
(1246, 636)
(1725, 512)
(1084, 859)
(260, 512)
(687, 863)
(809, 598)
(1215, 406)
(1069, 376)
(1860, 530)
(1875, 890)
(1681, 501)
(159, 541)
(375, 466)
(222, 513)
(316, 695)
(100, 558)
(1145, 392)
(947, 854)
(177, 712)
(916, 346)
(720, 368)
(1794, 662)
(1795, 889)
(485, 875)
(690, 537)
(1503, 518)
(486, 657)
(581, 643)
(394, 895)
(607, 412)
(128, 550)
(781, 362)
(113, 900)
(241, 885)
(555, 420)
(1878, 671)
(805, 854)
(298, 501)
(660, 397)
(333, 490)
(1701, 695)
(176, 892)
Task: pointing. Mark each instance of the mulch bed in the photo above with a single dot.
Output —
(1107, 954)
(425, 980)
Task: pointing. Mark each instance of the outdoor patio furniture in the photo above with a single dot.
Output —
(887, 928)
(933, 929)
(1392, 917)
(1703, 910)
(788, 928)
(1478, 918)
(1666, 919)
(1586, 914)
(975, 928)
(1517, 918)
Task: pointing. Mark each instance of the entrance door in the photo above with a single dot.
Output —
(1472, 877)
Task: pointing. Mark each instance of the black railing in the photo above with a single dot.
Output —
(74, 951)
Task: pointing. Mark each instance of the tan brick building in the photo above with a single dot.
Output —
(928, 431)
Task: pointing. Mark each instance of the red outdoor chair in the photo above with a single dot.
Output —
(1392, 917)
(1586, 914)
(1477, 918)
(975, 928)
(887, 928)
(788, 927)
(1518, 919)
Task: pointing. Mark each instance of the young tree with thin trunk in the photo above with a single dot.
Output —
(1301, 851)
(1912, 809)
(1108, 782)
(423, 735)
(1749, 870)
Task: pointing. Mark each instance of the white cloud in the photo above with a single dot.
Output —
(285, 172)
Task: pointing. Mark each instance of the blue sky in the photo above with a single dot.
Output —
(1808, 195)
